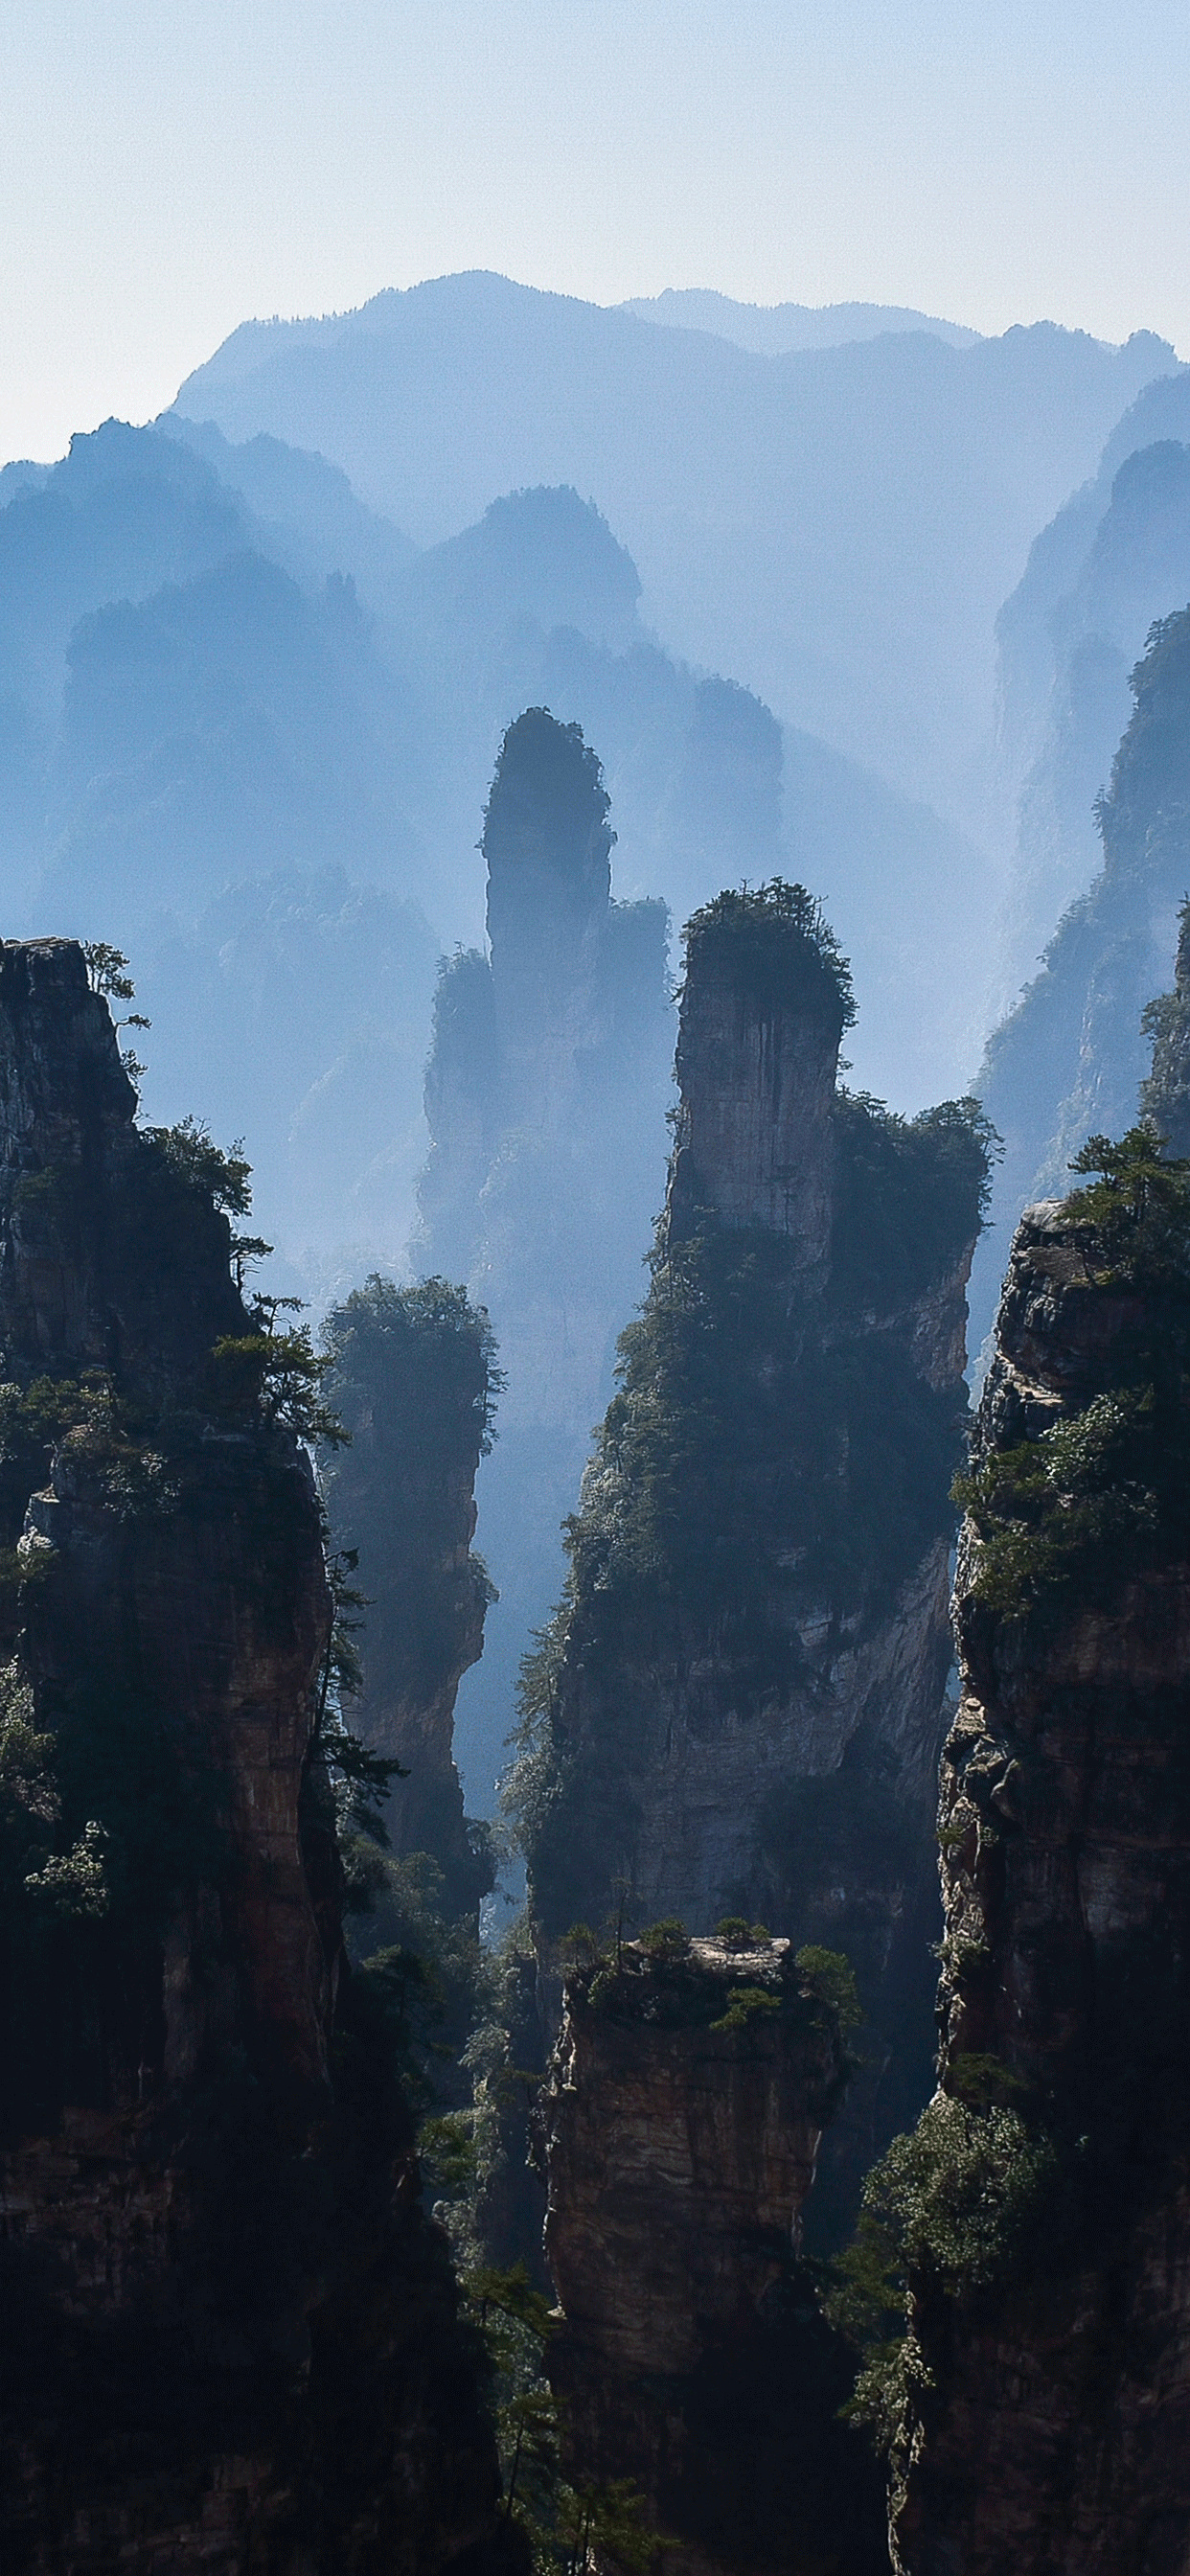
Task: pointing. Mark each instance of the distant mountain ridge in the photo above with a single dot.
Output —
(771, 329)
(837, 527)
(246, 731)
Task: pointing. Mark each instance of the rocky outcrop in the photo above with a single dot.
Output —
(687, 2096)
(415, 1382)
(739, 1709)
(1044, 2409)
(232, 2331)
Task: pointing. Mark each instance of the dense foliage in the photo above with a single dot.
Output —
(426, 1357)
(1089, 1501)
(759, 1454)
(910, 1194)
(772, 946)
(948, 2211)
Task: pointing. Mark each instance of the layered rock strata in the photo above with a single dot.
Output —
(1045, 2410)
(232, 2335)
(739, 1708)
(686, 2099)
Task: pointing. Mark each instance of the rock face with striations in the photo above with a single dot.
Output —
(688, 2092)
(739, 1707)
(232, 2333)
(1046, 2410)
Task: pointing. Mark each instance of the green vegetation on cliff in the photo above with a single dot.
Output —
(412, 1372)
(760, 1448)
(772, 945)
(953, 2207)
(225, 2286)
(1085, 1503)
(769, 1453)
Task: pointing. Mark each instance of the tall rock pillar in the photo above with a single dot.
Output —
(688, 2093)
(739, 1706)
(758, 1047)
(231, 2337)
(1045, 2414)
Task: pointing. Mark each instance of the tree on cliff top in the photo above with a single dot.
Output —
(413, 1373)
(772, 944)
(545, 830)
(415, 1368)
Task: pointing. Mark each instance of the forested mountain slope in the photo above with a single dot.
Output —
(233, 2336)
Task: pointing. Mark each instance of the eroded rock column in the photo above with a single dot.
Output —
(688, 2094)
(1046, 2422)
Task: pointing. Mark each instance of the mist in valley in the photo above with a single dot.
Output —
(258, 660)
(593, 1810)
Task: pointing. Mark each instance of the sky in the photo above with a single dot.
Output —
(169, 168)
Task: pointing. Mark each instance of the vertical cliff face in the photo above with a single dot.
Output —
(1043, 2415)
(545, 1096)
(415, 1383)
(757, 1057)
(105, 1263)
(738, 1709)
(233, 2335)
(687, 2095)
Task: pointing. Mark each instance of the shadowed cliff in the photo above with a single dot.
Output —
(1037, 2410)
(232, 2332)
(686, 2098)
(414, 1381)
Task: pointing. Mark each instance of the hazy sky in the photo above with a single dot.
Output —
(169, 167)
